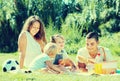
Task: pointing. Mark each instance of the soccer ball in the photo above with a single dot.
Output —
(10, 65)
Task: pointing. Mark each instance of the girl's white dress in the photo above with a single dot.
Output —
(84, 52)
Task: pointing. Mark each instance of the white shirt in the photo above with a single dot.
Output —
(84, 52)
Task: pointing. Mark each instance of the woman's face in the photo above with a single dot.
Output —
(35, 28)
(60, 43)
(91, 45)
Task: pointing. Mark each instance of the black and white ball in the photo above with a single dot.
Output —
(10, 65)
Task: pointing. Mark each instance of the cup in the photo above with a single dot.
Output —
(98, 68)
(90, 68)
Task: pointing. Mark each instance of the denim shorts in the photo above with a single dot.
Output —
(57, 58)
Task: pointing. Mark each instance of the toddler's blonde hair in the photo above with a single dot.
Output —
(50, 48)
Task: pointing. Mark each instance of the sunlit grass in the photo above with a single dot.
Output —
(37, 76)
(72, 45)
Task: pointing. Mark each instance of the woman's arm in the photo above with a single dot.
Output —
(53, 67)
(22, 42)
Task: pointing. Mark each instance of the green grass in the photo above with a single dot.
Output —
(37, 76)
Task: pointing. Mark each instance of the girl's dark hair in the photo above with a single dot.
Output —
(93, 35)
(52, 39)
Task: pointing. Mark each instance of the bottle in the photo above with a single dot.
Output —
(98, 65)
(98, 58)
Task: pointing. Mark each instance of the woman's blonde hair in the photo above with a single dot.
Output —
(50, 48)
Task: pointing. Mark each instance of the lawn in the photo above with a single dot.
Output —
(37, 76)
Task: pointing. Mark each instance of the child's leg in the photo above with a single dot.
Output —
(49, 70)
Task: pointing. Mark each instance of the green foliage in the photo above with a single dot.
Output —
(76, 17)
(8, 36)
(50, 30)
(112, 42)
(72, 35)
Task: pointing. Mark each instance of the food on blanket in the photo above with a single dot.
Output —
(67, 63)
(106, 67)
(108, 71)
(109, 67)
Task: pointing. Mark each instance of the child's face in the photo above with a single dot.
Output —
(91, 45)
(60, 43)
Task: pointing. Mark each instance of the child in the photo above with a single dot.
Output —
(62, 57)
(45, 60)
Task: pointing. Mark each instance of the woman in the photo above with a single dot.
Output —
(92, 53)
(31, 40)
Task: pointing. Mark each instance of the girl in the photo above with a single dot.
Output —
(62, 57)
